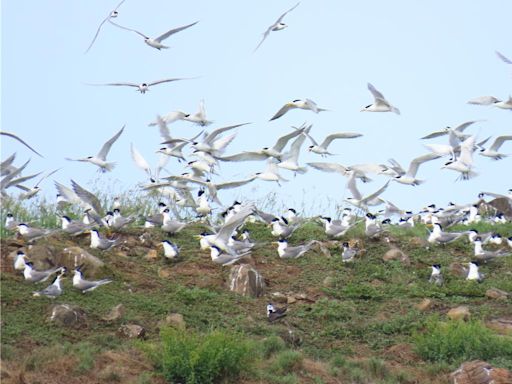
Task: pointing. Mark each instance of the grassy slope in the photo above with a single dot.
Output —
(358, 328)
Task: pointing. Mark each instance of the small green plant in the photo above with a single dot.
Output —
(202, 359)
(457, 341)
(271, 345)
(287, 362)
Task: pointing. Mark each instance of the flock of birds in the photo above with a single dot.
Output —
(194, 189)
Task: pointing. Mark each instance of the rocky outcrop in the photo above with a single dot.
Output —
(396, 254)
(480, 372)
(132, 331)
(115, 313)
(245, 280)
(67, 315)
(459, 313)
(497, 294)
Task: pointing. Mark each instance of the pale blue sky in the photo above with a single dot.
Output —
(427, 58)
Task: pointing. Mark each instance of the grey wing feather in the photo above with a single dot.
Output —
(21, 141)
(499, 141)
(434, 134)
(415, 163)
(376, 94)
(163, 81)
(128, 29)
(285, 108)
(87, 197)
(339, 135)
(504, 58)
(102, 154)
(173, 31)
(284, 14)
(283, 140)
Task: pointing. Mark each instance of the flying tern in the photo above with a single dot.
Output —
(321, 149)
(12, 135)
(409, 178)
(100, 159)
(306, 104)
(141, 87)
(357, 198)
(491, 100)
(492, 151)
(157, 41)
(380, 103)
(277, 26)
(112, 15)
(464, 163)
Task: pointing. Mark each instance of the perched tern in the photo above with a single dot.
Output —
(99, 242)
(380, 103)
(32, 233)
(53, 290)
(171, 250)
(86, 285)
(473, 273)
(287, 252)
(34, 276)
(100, 159)
(436, 277)
(157, 41)
(277, 26)
(306, 104)
(274, 313)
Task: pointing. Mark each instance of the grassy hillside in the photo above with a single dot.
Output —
(347, 322)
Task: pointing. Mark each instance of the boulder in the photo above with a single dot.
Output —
(115, 313)
(502, 325)
(245, 280)
(151, 255)
(164, 272)
(329, 282)
(396, 254)
(132, 331)
(425, 305)
(497, 294)
(66, 315)
(73, 256)
(480, 372)
(279, 297)
(459, 313)
(458, 269)
(174, 320)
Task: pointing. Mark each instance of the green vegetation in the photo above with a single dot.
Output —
(457, 341)
(341, 329)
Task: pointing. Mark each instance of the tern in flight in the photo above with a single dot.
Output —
(380, 104)
(277, 26)
(101, 158)
(302, 104)
(142, 87)
(112, 15)
(157, 41)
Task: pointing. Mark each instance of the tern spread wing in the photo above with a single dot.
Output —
(21, 141)
(483, 100)
(283, 140)
(285, 108)
(415, 163)
(139, 160)
(101, 25)
(129, 29)
(87, 197)
(340, 135)
(499, 141)
(164, 81)
(376, 94)
(351, 185)
(504, 58)
(102, 154)
(173, 31)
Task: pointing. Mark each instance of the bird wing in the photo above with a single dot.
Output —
(415, 163)
(169, 118)
(295, 147)
(67, 193)
(377, 192)
(235, 184)
(312, 105)
(265, 35)
(173, 31)
(504, 58)
(102, 154)
(165, 134)
(226, 231)
(339, 135)
(466, 150)
(285, 108)
(87, 197)
(329, 167)
(129, 29)
(7, 179)
(395, 166)
(283, 140)
(435, 134)
(483, 100)
(15, 182)
(463, 126)
(244, 156)
(499, 141)
(139, 160)
(211, 136)
(164, 81)
(46, 176)
(21, 141)
(101, 25)
(120, 84)
(284, 14)
(376, 94)
(351, 185)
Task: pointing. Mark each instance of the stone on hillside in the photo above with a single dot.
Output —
(43, 256)
(245, 280)
(73, 256)
(115, 313)
(174, 320)
(151, 255)
(396, 254)
(425, 305)
(164, 273)
(329, 282)
(497, 294)
(458, 269)
(503, 205)
(291, 299)
(132, 331)
(502, 325)
(279, 297)
(459, 313)
(480, 372)
(67, 315)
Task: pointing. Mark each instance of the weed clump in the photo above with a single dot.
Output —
(457, 341)
(194, 358)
